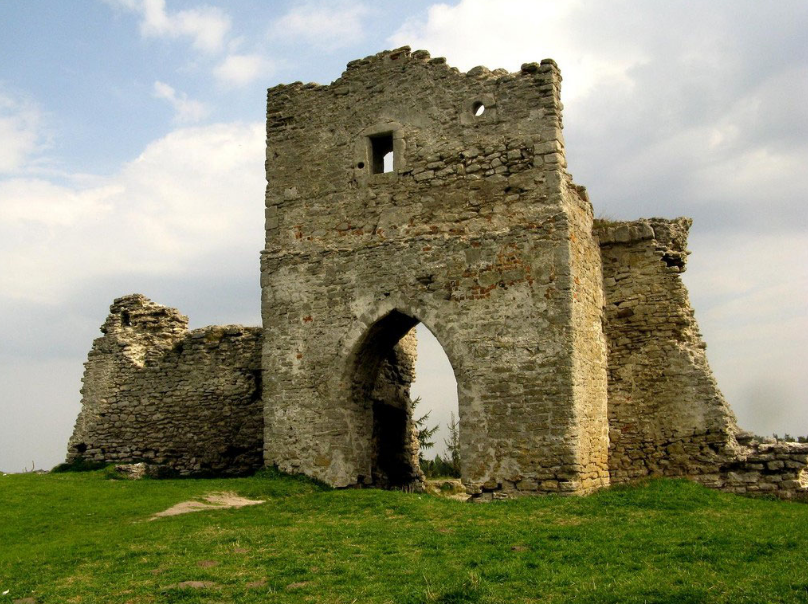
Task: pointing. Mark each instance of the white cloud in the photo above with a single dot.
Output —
(511, 32)
(189, 194)
(20, 125)
(209, 29)
(240, 70)
(328, 25)
(749, 291)
(28, 202)
(187, 111)
(206, 26)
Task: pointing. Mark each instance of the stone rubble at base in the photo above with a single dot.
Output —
(578, 359)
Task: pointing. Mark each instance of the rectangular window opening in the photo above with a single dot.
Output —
(382, 149)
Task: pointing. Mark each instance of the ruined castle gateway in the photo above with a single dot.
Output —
(477, 232)
(408, 192)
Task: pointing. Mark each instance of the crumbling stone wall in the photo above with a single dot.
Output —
(764, 468)
(395, 446)
(666, 414)
(185, 400)
(472, 232)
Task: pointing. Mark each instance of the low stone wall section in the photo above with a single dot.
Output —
(774, 469)
(185, 400)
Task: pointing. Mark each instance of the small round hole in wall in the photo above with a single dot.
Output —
(360, 165)
(478, 109)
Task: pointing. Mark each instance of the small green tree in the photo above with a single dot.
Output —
(453, 446)
(438, 468)
(425, 433)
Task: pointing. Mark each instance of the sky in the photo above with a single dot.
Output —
(132, 150)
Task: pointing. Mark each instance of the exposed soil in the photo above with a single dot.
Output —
(192, 585)
(212, 501)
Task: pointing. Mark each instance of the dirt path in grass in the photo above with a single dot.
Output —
(212, 501)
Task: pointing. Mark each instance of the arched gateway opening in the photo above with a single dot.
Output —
(383, 372)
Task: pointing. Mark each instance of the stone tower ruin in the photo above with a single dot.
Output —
(476, 231)
(405, 192)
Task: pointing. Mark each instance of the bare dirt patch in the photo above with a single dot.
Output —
(192, 585)
(212, 501)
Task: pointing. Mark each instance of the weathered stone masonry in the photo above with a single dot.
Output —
(577, 357)
(666, 414)
(190, 401)
(156, 392)
(472, 233)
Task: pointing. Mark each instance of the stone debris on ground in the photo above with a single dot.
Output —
(449, 488)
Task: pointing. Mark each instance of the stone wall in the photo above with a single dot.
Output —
(588, 344)
(666, 414)
(761, 468)
(185, 400)
(395, 446)
(472, 233)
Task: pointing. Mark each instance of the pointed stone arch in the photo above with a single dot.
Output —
(379, 370)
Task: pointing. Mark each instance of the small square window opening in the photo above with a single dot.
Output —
(382, 150)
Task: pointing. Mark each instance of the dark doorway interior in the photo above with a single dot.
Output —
(383, 374)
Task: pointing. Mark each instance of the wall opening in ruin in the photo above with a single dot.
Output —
(383, 372)
(435, 387)
(381, 386)
(381, 146)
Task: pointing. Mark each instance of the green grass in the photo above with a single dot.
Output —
(84, 538)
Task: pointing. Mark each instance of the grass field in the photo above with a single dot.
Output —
(81, 537)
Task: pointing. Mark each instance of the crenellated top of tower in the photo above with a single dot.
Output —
(395, 60)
